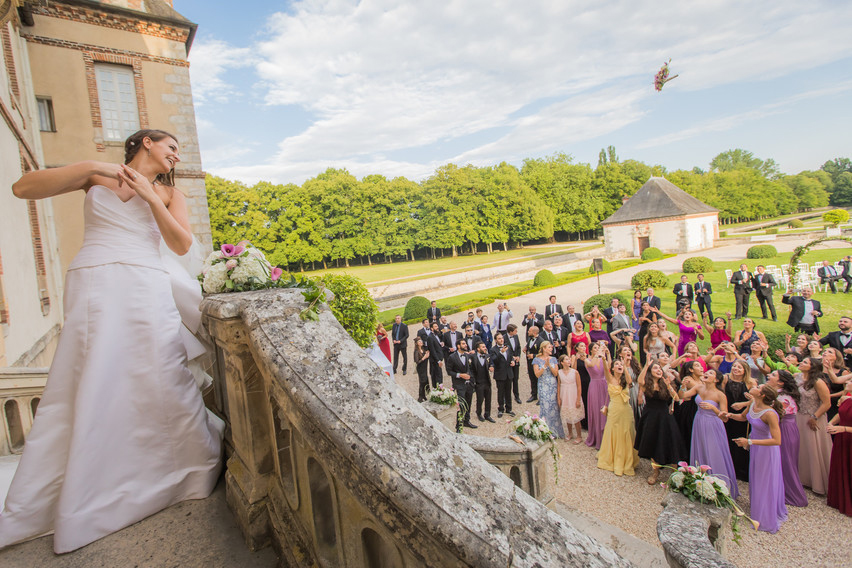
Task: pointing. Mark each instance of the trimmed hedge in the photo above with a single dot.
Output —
(723, 234)
(775, 339)
(606, 266)
(796, 224)
(772, 231)
(602, 301)
(416, 308)
(544, 278)
(652, 253)
(649, 279)
(762, 251)
(696, 264)
(353, 307)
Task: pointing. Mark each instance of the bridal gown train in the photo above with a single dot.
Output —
(121, 430)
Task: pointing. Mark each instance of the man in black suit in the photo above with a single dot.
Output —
(532, 319)
(741, 281)
(480, 368)
(399, 335)
(703, 290)
(436, 356)
(560, 346)
(683, 293)
(514, 343)
(552, 309)
(570, 318)
(470, 339)
(433, 314)
(841, 340)
(443, 325)
(502, 368)
(471, 322)
(423, 332)
(763, 284)
(610, 313)
(451, 339)
(458, 367)
(846, 274)
(804, 312)
(828, 274)
(531, 350)
(653, 301)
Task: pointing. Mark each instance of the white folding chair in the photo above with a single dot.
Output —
(781, 279)
(728, 275)
(770, 268)
(816, 280)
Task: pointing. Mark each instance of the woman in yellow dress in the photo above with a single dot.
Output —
(617, 453)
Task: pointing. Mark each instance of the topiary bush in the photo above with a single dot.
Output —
(652, 253)
(723, 234)
(602, 301)
(796, 224)
(544, 278)
(696, 264)
(762, 251)
(649, 279)
(772, 231)
(416, 308)
(835, 216)
(775, 338)
(606, 266)
(353, 307)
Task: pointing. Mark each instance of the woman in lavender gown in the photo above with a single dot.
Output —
(764, 444)
(789, 397)
(637, 308)
(598, 397)
(709, 443)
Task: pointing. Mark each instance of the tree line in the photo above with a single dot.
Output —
(337, 218)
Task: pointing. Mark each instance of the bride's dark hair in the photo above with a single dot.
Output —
(134, 143)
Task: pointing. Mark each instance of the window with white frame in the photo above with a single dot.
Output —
(117, 97)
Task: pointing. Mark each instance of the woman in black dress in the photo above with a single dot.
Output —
(582, 355)
(736, 384)
(658, 436)
(686, 408)
(421, 359)
(646, 318)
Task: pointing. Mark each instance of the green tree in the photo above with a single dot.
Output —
(842, 194)
(739, 159)
(836, 216)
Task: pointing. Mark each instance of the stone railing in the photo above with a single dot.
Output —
(693, 534)
(334, 465)
(20, 393)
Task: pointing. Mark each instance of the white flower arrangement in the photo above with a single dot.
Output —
(533, 427)
(234, 268)
(443, 395)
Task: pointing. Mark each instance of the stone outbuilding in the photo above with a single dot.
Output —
(660, 215)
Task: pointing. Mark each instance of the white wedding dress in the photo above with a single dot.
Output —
(121, 431)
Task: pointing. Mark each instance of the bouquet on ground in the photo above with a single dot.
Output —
(696, 483)
(443, 395)
(534, 427)
(236, 268)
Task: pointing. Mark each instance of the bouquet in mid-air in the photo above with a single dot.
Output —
(662, 76)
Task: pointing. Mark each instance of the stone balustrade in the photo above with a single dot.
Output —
(333, 464)
(20, 392)
(693, 534)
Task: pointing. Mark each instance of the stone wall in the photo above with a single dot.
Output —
(20, 393)
(693, 535)
(334, 465)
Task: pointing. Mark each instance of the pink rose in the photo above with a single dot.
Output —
(231, 264)
(705, 468)
(276, 273)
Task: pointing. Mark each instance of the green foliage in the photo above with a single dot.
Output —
(416, 308)
(796, 224)
(353, 307)
(835, 216)
(602, 301)
(723, 234)
(772, 231)
(645, 279)
(652, 253)
(606, 266)
(544, 278)
(696, 264)
(762, 251)
(739, 159)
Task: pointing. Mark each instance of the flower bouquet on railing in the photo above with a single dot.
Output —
(534, 427)
(242, 267)
(443, 395)
(696, 484)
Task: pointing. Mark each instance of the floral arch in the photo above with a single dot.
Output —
(804, 249)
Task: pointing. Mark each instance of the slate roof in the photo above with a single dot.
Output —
(657, 199)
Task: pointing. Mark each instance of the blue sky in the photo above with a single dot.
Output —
(284, 90)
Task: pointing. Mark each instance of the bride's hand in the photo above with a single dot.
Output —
(137, 182)
(110, 170)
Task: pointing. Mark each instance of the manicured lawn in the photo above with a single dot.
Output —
(377, 273)
(833, 305)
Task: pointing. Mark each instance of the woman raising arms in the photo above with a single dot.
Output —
(788, 395)
(617, 453)
(688, 327)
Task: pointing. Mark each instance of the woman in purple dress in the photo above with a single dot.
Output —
(598, 397)
(709, 443)
(688, 326)
(637, 309)
(789, 397)
(764, 444)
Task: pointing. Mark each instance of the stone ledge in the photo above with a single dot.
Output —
(693, 534)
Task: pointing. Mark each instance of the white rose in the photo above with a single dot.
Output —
(215, 278)
(677, 479)
(249, 267)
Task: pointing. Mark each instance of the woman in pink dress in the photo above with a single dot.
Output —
(570, 397)
(722, 331)
(814, 439)
(579, 335)
(383, 341)
(688, 327)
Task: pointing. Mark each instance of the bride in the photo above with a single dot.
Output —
(121, 431)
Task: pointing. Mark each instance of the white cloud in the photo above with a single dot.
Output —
(383, 76)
